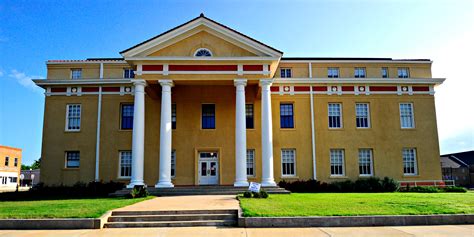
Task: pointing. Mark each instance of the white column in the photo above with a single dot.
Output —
(240, 135)
(165, 136)
(267, 136)
(138, 135)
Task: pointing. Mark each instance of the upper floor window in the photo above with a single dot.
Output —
(173, 163)
(15, 162)
(125, 164)
(286, 116)
(72, 159)
(365, 162)
(173, 116)
(127, 116)
(335, 115)
(250, 162)
(333, 72)
(384, 72)
(337, 162)
(73, 117)
(285, 72)
(203, 53)
(359, 72)
(208, 116)
(7, 161)
(288, 158)
(406, 115)
(362, 115)
(403, 72)
(249, 116)
(128, 73)
(409, 161)
(76, 73)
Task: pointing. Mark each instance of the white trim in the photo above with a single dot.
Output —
(199, 49)
(415, 165)
(343, 162)
(205, 72)
(101, 71)
(87, 62)
(47, 82)
(185, 58)
(120, 165)
(294, 162)
(369, 125)
(97, 143)
(412, 115)
(310, 70)
(313, 138)
(371, 162)
(341, 118)
(435, 81)
(67, 118)
(356, 61)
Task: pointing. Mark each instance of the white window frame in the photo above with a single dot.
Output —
(67, 118)
(340, 116)
(66, 161)
(343, 162)
(284, 72)
(403, 75)
(357, 70)
(294, 162)
(173, 163)
(76, 70)
(368, 115)
(120, 176)
(197, 50)
(333, 69)
(415, 162)
(371, 162)
(403, 117)
(252, 161)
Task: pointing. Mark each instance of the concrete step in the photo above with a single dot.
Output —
(170, 224)
(179, 217)
(174, 212)
(200, 190)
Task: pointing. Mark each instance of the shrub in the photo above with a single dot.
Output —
(139, 191)
(424, 189)
(390, 185)
(455, 189)
(247, 194)
(263, 194)
(371, 184)
(256, 195)
(342, 186)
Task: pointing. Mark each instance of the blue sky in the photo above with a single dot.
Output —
(32, 32)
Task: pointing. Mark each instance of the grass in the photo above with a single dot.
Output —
(63, 208)
(353, 204)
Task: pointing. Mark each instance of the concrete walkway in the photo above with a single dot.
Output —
(202, 202)
(447, 230)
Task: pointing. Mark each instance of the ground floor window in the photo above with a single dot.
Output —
(72, 159)
(365, 162)
(409, 161)
(125, 164)
(288, 157)
(250, 162)
(173, 163)
(337, 162)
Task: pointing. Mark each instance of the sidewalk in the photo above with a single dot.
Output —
(200, 202)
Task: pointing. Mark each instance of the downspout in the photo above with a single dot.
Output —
(313, 138)
(99, 112)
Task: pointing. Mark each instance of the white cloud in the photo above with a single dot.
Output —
(25, 80)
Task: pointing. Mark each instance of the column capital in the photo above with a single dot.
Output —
(240, 82)
(166, 82)
(138, 82)
(266, 82)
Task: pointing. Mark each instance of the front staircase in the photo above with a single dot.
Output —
(181, 218)
(199, 190)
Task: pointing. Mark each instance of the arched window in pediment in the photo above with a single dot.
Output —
(203, 52)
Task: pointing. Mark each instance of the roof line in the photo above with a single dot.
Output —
(459, 160)
(350, 58)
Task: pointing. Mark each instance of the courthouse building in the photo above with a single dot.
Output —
(203, 104)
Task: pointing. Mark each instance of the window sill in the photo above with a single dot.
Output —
(289, 177)
(368, 128)
(71, 131)
(124, 178)
(366, 176)
(411, 176)
(71, 169)
(125, 130)
(338, 177)
(408, 129)
(336, 129)
(288, 129)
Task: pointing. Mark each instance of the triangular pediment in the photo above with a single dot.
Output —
(201, 32)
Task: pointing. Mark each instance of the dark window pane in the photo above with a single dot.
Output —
(286, 116)
(249, 115)
(173, 116)
(208, 116)
(127, 116)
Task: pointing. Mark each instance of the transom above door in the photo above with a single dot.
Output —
(208, 168)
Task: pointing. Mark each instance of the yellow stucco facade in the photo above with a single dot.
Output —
(10, 167)
(102, 89)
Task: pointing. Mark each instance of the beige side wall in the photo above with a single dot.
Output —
(12, 153)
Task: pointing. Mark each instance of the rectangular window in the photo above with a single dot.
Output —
(359, 72)
(173, 116)
(362, 115)
(208, 116)
(406, 115)
(333, 72)
(409, 161)
(286, 116)
(73, 117)
(127, 116)
(249, 116)
(335, 115)
(250, 162)
(365, 162)
(15, 162)
(72, 159)
(76, 73)
(125, 164)
(403, 72)
(288, 162)
(173, 163)
(285, 72)
(128, 73)
(384, 72)
(337, 162)
(7, 161)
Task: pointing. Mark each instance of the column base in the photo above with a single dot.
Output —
(136, 182)
(269, 184)
(164, 185)
(241, 184)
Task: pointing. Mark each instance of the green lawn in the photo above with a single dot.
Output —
(64, 208)
(351, 204)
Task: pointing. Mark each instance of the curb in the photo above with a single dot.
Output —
(354, 221)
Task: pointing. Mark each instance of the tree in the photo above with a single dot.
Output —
(36, 164)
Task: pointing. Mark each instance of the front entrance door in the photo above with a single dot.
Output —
(208, 168)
